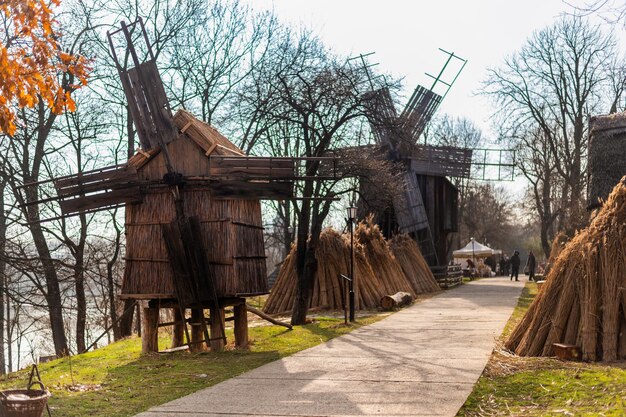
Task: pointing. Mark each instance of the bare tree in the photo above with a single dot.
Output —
(545, 93)
(305, 102)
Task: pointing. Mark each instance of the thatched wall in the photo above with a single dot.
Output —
(607, 156)
(232, 234)
(231, 229)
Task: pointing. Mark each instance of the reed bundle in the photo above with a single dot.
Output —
(407, 253)
(555, 250)
(583, 301)
(376, 271)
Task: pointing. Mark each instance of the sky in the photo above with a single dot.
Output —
(406, 37)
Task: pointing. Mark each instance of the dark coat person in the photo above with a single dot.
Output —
(515, 261)
(531, 264)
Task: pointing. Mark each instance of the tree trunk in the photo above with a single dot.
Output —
(117, 328)
(81, 302)
(53, 291)
(9, 330)
(305, 278)
(126, 323)
(30, 168)
(79, 285)
(3, 263)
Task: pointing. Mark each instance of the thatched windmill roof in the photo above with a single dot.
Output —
(583, 301)
(607, 156)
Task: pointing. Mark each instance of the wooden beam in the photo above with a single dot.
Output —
(241, 326)
(217, 324)
(197, 334)
(149, 330)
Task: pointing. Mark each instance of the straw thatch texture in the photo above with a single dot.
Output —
(583, 301)
(376, 271)
(407, 253)
(607, 156)
(232, 230)
(232, 235)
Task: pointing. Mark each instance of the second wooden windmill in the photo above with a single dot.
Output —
(426, 206)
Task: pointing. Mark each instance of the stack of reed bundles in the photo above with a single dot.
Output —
(376, 272)
(583, 301)
(381, 259)
(607, 156)
(407, 253)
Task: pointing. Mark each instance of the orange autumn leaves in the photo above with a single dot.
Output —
(31, 61)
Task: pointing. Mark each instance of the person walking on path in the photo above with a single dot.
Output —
(531, 264)
(515, 266)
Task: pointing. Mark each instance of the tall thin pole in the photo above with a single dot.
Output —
(473, 256)
(352, 319)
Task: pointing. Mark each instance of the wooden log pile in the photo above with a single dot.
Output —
(583, 302)
(377, 272)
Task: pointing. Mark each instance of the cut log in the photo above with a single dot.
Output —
(399, 299)
(268, 318)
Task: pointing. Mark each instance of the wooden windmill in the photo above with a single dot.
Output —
(194, 234)
(427, 206)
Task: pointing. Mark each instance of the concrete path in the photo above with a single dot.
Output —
(421, 361)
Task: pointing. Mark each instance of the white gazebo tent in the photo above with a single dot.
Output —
(473, 250)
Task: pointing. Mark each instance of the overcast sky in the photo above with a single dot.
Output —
(406, 35)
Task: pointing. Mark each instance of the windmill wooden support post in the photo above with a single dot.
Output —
(217, 326)
(241, 324)
(178, 332)
(197, 334)
(150, 329)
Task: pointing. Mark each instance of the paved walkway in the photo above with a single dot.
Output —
(421, 361)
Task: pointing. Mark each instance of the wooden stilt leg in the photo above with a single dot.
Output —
(178, 333)
(241, 325)
(149, 331)
(217, 324)
(197, 335)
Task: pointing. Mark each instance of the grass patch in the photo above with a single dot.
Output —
(521, 386)
(117, 380)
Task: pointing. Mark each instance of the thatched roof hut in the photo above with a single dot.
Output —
(607, 156)
(231, 229)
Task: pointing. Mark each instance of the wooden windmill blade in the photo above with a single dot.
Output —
(382, 116)
(92, 191)
(418, 112)
(409, 207)
(144, 90)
